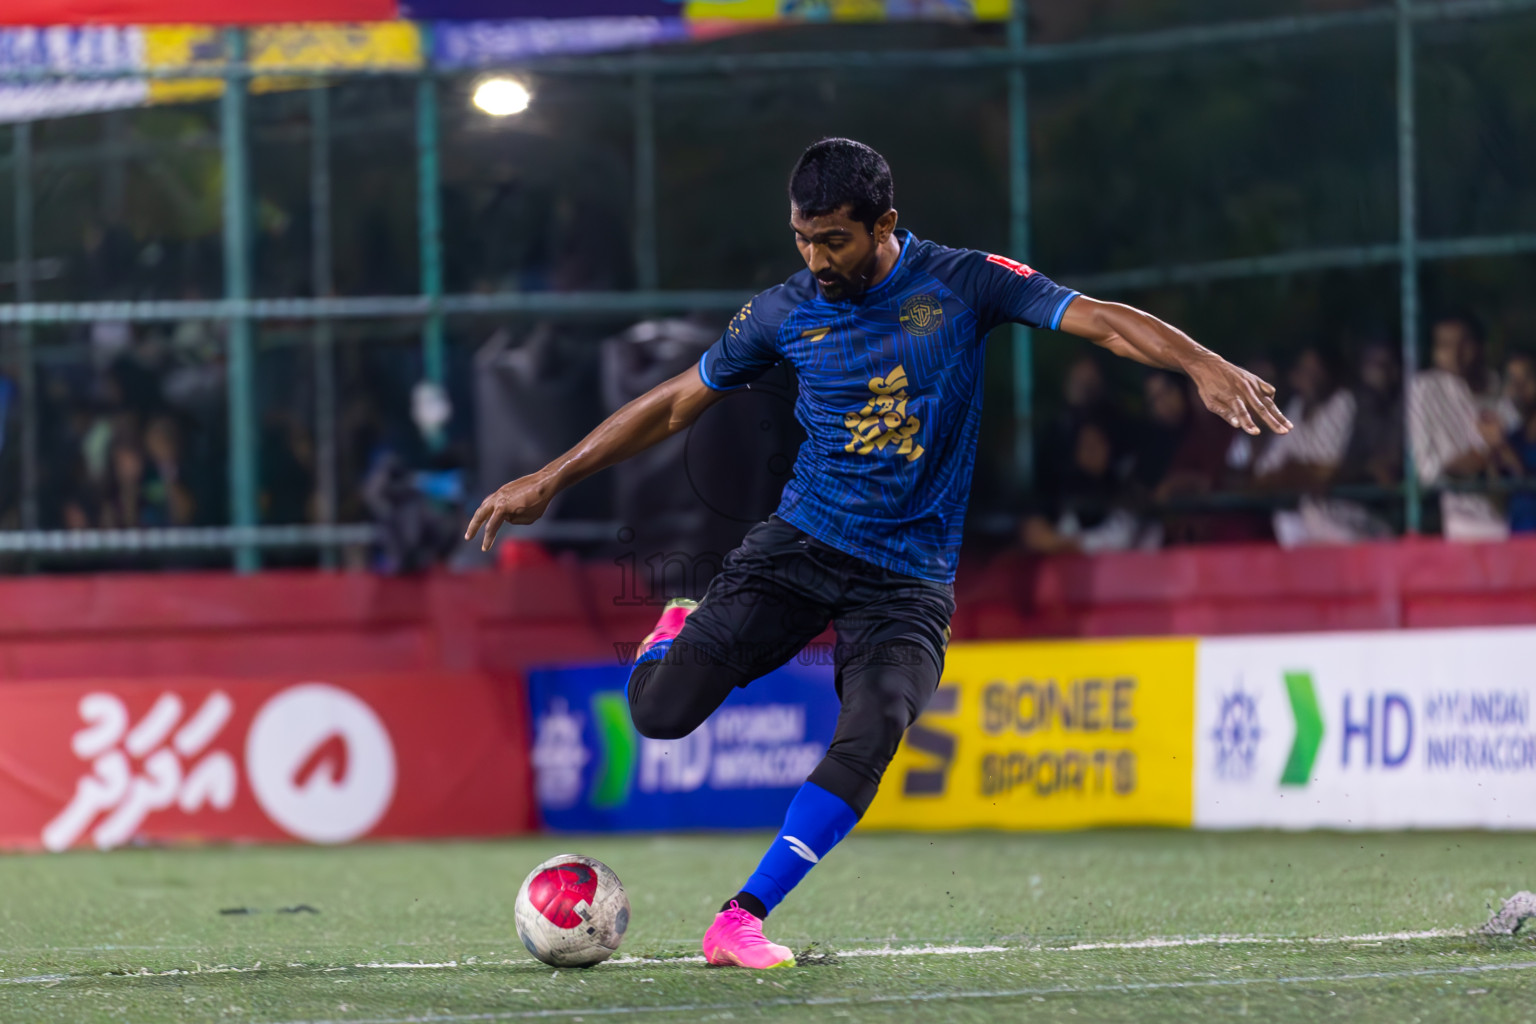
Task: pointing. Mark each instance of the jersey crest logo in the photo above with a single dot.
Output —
(921, 315)
(884, 420)
(1014, 265)
(740, 318)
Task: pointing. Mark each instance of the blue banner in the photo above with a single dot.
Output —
(473, 44)
(457, 9)
(593, 772)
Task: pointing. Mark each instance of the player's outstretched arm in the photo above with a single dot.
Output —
(653, 417)
(1230, 392)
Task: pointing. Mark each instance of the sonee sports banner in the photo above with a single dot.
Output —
(1049, 735)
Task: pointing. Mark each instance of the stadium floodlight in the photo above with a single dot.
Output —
(502, 97)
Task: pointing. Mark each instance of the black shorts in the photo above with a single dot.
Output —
(779, 590)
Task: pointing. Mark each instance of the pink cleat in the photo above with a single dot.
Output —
(736, 940)
(670, 624)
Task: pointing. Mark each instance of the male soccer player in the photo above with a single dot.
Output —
(885, 333)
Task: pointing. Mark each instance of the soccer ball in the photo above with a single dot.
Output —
(572, 911)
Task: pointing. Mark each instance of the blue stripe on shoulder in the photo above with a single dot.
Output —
(704, 375)
(1061, 309)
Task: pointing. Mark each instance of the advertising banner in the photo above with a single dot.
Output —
(593, 772)
(708, 10)
(472, 44)
(1408, 729)
(106, 763)
(91, 50)
(174, 12)
(1049, 735)
(340, 48)
(333, 47)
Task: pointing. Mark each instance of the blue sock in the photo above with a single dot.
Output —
(657, 651)
(815, 822)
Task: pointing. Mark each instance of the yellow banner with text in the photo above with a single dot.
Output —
(393, 45)
(1043, 735)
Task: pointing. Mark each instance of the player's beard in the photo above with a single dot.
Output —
(849, 287)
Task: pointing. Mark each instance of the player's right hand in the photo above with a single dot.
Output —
(520, 502)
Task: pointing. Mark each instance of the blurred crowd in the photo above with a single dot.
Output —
(1117, 473)
(132, 433)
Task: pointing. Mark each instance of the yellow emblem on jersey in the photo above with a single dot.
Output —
(922, 314)
(884, 419)
(740, 318)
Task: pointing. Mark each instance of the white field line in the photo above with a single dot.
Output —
(1165, 942)
(938, 997)
(1156, 942)
(1176, 941)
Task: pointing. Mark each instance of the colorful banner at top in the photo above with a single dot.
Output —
(192, 12)
(708, 10)
(255, 12)
(386, 45)
(129, 36)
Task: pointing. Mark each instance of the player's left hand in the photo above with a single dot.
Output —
(520, 502)
(1238, 396)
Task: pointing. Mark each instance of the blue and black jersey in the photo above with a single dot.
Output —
(890, 395)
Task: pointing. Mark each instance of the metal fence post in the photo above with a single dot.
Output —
(237, 286)
(430, 224)
(1408, 243)
(1018, 243)
(323, 284)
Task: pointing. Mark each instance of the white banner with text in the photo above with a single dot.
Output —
(1405, 729)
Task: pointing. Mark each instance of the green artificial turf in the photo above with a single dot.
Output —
(141, 935)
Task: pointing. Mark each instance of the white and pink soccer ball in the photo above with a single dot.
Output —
(572, 911)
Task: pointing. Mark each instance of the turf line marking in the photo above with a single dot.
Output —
(1178, 941)
(1169, 942)
(937, 997)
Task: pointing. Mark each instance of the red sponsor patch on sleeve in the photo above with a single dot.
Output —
(1013, 265)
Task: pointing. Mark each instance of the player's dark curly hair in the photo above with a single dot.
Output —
(835, 173)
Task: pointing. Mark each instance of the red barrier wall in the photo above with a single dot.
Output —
(317, 625)
(214, 624)
(1416, 583)
(134, 701)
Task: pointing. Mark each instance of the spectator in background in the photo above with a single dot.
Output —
(1086, 398)
(164, 492)
(1520, 381)
(1246, 450)
(1454, 438)
(1459, 341)
(1089, 513)
(1162, 434)
(145, 486)
(1374, 454)
(1309, 457)
(126, 464)
(414, 534)
(1200, 466)
(1323, 411)
(287, 470)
